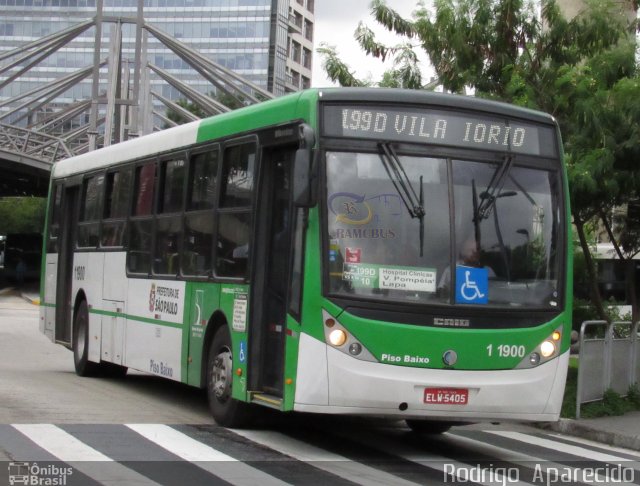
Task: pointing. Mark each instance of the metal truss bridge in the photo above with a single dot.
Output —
(124, 110)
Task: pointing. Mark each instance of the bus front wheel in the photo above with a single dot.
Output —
(83, 366)
(226, 410)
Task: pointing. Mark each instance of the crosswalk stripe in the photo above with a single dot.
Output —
(322, 459)
(80, 456)
(202, 455)
(59, 443)
(447, 466)
(559, 446)
(628, 454)
(179, 444)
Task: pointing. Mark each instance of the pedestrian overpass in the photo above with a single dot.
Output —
(33, 127)
(26, 158)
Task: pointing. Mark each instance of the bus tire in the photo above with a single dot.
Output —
(83, 366)
(430, 427)
(226, 410)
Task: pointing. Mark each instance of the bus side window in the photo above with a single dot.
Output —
(116, 205)
(169, 217)
(54, 218)
(89, 225)
(197, 241)
(141, 225)
(234, 213)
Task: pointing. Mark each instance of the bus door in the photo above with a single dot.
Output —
(272, 268)
(64, 280)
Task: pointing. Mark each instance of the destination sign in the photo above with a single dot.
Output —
(420, 125)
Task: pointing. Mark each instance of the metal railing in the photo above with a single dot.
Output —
(609, 359)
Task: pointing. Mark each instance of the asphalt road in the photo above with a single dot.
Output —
(38, 383)
(145, 430)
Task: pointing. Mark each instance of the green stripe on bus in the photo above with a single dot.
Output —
(177, 325)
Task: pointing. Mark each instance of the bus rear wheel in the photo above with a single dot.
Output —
(428, 426)
(83, 366)
(226, 410)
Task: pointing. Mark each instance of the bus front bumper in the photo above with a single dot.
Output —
(329, 381)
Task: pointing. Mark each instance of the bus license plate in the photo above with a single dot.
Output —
(446, 396)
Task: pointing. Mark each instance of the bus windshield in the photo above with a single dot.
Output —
(490, 233)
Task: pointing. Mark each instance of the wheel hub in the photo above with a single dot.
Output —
(221, 375)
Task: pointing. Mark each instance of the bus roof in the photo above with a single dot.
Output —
(238, 121)
(294, 106)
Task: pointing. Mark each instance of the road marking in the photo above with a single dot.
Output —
(450, 468)
(61, 444)
(80, 456)
(600, 445)
(562, 447)
(202, 455)
(322, 459)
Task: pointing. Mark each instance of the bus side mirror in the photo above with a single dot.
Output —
(303, 169)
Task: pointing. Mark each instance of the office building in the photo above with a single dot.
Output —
(268, 42)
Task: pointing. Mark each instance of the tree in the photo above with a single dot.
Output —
(227, 100)
(22, 215)
(581, 70)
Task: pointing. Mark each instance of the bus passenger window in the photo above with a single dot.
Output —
(173, 179)
(237, 176)
(117, 191)
(141, 223)
(235, 211)
(89, 225)
(55, 204)
(145, 181)
(197, 244)
(139, 258)
(166, 257)
(202, 181)
(233, 244)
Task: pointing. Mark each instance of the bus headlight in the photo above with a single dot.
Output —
(337, 336)
(545, 351)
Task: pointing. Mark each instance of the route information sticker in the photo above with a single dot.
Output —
(371, 276)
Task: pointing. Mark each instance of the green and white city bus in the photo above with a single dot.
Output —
(387, 253)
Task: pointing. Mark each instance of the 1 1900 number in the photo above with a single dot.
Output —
(507, 351)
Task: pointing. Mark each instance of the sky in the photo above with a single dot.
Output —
(335, 23)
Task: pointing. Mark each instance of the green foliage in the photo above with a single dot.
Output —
(337, 70)
(180, 119)
(227, 100)
(568, 409)
(612, 403)
(22, 215)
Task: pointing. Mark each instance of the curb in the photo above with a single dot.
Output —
(577, 429)
(35, 301)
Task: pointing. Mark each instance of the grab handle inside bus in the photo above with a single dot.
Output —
(303, 176)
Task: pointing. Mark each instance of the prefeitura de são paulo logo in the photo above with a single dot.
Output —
(152, 298)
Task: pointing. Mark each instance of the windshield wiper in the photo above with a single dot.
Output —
(494, 190)
(404, 188)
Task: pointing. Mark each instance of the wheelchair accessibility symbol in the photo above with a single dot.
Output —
(472, 285)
